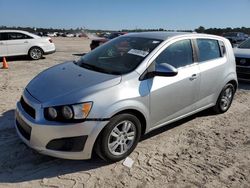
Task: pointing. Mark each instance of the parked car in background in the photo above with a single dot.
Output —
(235, 37)
(52, 34)
(17, 43)
(242, 55)
(122, 90)
(70, 35)
(99, 41)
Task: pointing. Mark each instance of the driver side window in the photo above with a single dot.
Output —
(178, 54)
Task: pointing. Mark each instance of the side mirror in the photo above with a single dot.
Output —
(162, 69)
(165, 69)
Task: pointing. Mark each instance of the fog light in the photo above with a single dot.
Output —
(52, 112)
(67, 112)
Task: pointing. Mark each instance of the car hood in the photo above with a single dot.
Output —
(68, 83)
(240, 52)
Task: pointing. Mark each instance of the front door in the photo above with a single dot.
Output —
(172, 97)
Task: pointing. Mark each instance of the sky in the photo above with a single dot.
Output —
(125, 14)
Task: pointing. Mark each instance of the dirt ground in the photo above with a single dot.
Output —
(204, 150)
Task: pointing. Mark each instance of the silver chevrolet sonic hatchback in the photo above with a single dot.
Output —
(123, 89)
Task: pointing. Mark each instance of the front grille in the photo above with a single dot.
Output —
(243, 76)
(23, 128)
(27, 108)
(243, 70)
(72, 144)
(242, 61)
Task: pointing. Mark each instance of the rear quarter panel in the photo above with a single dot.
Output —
(43, 43)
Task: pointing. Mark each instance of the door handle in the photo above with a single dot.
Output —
(1, 43)
(26, 42)
(193, 77)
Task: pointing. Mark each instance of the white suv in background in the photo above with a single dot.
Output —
(16, 43)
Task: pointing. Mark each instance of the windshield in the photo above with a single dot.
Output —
(119, 56)
(245, 44)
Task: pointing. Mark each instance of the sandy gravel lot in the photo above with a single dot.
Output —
(204, 150)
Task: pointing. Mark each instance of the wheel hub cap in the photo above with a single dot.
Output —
(226, 98)
(121, 138)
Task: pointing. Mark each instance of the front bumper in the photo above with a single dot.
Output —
(243, 73)
(38, 135)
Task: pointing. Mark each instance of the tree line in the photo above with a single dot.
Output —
(201, 29)
(220, 31)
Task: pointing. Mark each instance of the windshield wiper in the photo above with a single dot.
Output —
(88, 66)
(98, 69)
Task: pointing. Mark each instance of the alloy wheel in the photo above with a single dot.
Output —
(226, 98)
(36, 53)
(122, 137)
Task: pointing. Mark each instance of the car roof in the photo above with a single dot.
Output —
(13, 30)
(157, 34)
(20, 31)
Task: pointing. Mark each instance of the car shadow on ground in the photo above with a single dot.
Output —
(19, 58)
(207, 112)
(19, 163)
(79, 54)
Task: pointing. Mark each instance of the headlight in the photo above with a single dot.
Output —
(68, 112)
(52, 113)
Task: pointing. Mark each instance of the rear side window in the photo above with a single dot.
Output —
(209, 49)
(17, 36)
(178, 54)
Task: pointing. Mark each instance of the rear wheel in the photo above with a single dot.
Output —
(119, 138)
(225, 99)
(35, 53)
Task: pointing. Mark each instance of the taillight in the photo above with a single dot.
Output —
(50, 40)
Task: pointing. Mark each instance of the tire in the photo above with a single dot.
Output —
(35, 53)
(119, 138)
(225, 99)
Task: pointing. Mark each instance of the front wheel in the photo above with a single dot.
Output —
(119, 138)
(225, 99)
(35, 53)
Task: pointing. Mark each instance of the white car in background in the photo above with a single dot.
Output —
(52, 34)
(70, 35)
(17, 43)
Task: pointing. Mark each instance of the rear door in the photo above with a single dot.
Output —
(3, 46)
(18, 43)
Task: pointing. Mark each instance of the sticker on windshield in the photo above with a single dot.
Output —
(156, 42)
(138, 52)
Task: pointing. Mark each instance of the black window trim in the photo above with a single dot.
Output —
(223, 54)
(195, 51)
